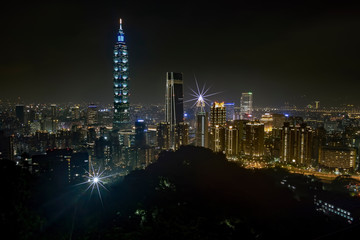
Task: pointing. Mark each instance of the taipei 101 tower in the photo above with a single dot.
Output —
(121, 83)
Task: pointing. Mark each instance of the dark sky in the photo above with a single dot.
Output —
(296, 51)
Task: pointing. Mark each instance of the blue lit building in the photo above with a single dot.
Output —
(121, 83)
(230, 111)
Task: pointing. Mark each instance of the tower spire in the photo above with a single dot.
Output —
(121, 24)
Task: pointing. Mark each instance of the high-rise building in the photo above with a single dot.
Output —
(218, 114)
(163, 135)
(254, 143)
(240, 125)
(20, 113)
(182, 134)
(201, 131)
(217, 127)
(54, 120)
(232, 146)
(278, 120)
(53, 111)
(246, 105)
(296, 144)
(267, 120)
(174, 104)
(75, 112)
(92, 115)
(230, 111)
(121, 83)
(140, 130)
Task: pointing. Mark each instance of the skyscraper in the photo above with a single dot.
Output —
(230, 111)
(92, 115)
(218, 114)
(202, 134)
(296, 144)
(174, 103)
(121, 83)
(232, 145)
(163, 135)
(174, 107)
(254, 141)
(217, 127)
(140, 130)
(20, 113)
(246, 105)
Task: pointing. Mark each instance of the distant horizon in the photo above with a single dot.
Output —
(187, 105)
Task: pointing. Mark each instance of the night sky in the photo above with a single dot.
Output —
(280, 50)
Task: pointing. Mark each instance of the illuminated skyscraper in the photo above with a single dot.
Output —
(246, 106)
(218, 114)
(202, 134)
(121, 83)
(230, 111)
(217, 127)
(174, 107)
(174, 104)
(232, 145)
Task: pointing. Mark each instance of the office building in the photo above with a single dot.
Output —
(246, 105)
(140, 131)
(92, 115)
(121, 119)
(174, 106)
(201, 131)
(230, 111)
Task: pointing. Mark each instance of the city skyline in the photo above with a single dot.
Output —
(310, 56)
(96, 140)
